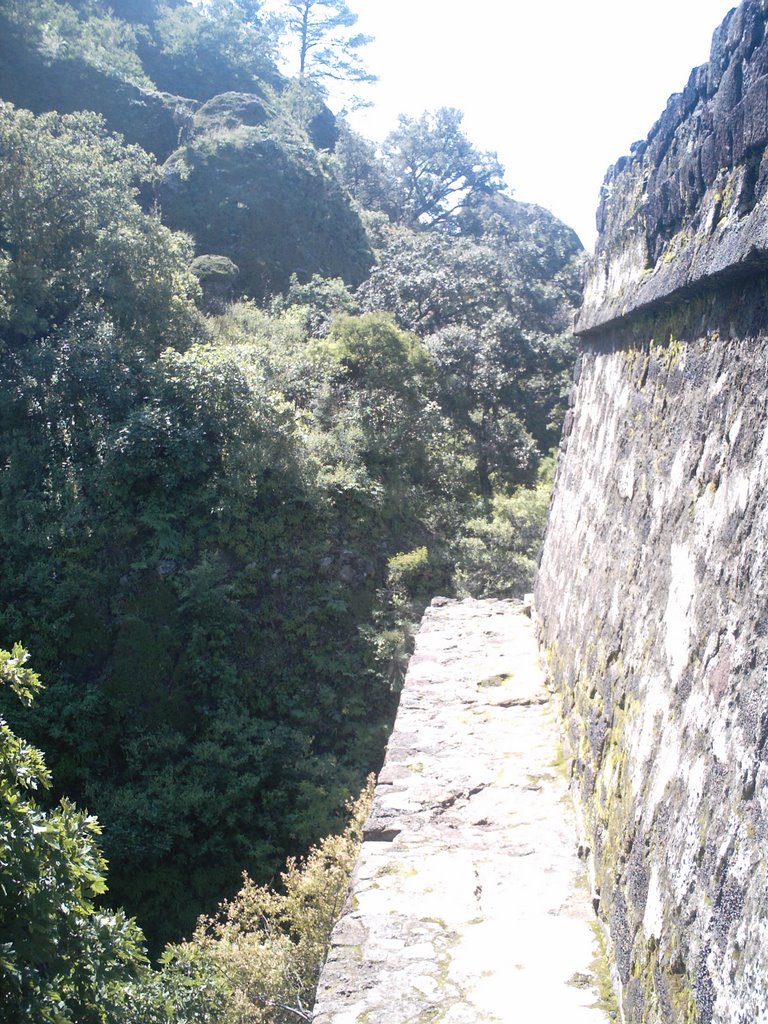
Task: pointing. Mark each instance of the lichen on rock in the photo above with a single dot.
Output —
(690, 203)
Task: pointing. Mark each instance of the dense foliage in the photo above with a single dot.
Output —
(497, 554)
(238, 461)
(64, 961)
(492, 306)
(266, 947)
(61, 959)
(75, 242)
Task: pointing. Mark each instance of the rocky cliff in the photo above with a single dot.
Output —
(654, 576)
(244, 154)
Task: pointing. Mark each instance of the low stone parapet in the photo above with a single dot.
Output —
(469, 902)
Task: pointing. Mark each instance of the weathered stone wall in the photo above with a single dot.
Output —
(653, 588)
(689, 204)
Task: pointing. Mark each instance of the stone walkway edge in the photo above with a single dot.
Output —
(469, 902)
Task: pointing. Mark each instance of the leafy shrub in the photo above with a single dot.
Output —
(269, 946)
(376, 352)
(61, 959)
(497, 555)
(408, 574)
(317, 302)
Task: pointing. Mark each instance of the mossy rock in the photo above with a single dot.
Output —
(214, 268)
(229, 110)
(217, 276)
(260, 196)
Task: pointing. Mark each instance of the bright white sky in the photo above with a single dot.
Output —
(558, 88)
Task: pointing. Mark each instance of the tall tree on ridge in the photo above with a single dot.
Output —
(326, 46)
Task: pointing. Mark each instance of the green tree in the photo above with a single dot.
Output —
(376, 353)
(382, 376)
(497, 554)
(138, 11)
(74, 240)
(317, 302)
(492, 308)
(186, 556)
(327, 48)
(436, 171)
(62, 960)
(429, 280)
(361, 170)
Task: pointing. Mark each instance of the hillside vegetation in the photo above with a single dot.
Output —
(264, 391)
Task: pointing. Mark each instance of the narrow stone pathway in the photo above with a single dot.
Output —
(469, 902)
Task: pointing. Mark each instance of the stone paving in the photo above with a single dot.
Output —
(469, 902)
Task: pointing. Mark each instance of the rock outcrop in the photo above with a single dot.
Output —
(653, 586)
(248, 184)
(245, 172)
(148, 118)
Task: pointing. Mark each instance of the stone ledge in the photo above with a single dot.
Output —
(688, 208)
(476, 907)
(616, 290)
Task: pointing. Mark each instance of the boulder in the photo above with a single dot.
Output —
(217, 276)
(259, 194)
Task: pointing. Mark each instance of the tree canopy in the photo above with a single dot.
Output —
(74, 240)
(321, 31)
(434, 170)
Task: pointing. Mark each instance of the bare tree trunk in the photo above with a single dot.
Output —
(304, 38)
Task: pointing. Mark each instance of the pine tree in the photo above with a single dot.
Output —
(327, 47)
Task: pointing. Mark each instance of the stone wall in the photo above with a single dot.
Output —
(689, 203)
(653, 588)
(469, 903)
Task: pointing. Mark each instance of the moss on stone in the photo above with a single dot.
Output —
(601, 968)
(497, 680)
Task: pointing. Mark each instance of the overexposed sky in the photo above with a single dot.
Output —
(558, 88)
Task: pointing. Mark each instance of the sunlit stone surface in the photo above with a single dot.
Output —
(469, 902)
